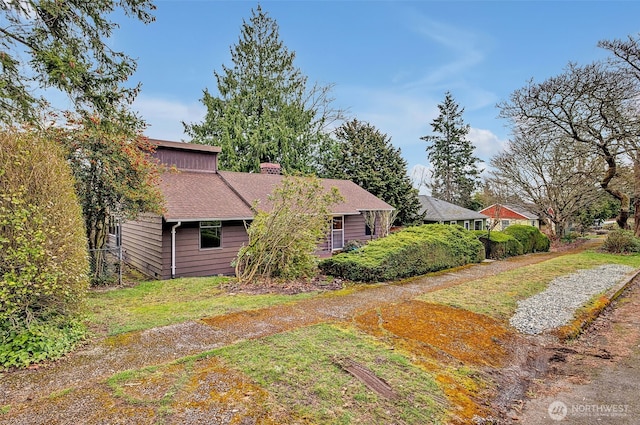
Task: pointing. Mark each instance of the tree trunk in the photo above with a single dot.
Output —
(636, 194)
(620, 196)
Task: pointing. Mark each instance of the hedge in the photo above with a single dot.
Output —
(410, 252)
(43, 257)
(530, 237)
(501, 244)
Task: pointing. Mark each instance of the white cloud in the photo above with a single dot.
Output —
(487, 144)
(403, 116)
(466, 50)
(164, 117)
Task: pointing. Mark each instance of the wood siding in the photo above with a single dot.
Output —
(355, 229)
(187, 160)
(142, 244)
(192, 261)
(147, 245)
(502, 212)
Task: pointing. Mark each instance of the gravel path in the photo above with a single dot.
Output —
(556, 306)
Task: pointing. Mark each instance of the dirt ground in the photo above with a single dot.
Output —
(594, 379)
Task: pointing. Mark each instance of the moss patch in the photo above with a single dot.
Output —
(453, 344)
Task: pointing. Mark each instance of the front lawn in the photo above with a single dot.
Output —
(165, 302)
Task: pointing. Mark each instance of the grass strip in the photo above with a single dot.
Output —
(497, 296)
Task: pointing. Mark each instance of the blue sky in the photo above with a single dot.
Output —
(391, 62)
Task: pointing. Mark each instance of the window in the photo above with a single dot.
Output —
(453, 222)
(210, 234)
(504, 224)
(466, 225)
(337, 233)
(477, 225)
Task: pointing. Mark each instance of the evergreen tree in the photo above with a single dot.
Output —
(364, 155)
(455, 174)
(65, 45)
(264, 112)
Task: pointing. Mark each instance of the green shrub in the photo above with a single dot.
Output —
(530, 237)
(43, 257)
(22, 346)
(409, 252)
(621, 241)
(283, 240)
(501, 244)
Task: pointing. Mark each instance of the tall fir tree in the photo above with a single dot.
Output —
(364, 155)
(455, 174)
(265, 111)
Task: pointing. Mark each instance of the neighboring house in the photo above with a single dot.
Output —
(438, 211)
(206, 211)
(503, 216)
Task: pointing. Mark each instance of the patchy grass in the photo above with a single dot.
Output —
(164, 302)
(200, 388)
(497, 296)
(441, 339)
(301, 370)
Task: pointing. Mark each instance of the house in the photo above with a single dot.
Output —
(503, 216)
(206, 213)
(438, 211)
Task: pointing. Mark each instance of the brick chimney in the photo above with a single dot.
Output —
(269, 168)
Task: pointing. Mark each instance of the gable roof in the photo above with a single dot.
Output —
(226, 195)
(252, 187)
(197, 196)
(438, 210)
(509, 212)
(199, 192)
(522, 211)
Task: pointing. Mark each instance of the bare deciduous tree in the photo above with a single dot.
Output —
(626, 58)
(587, 105)
(548, 171)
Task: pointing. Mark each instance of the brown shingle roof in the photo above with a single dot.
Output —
(199, 196)
(257, 187)
(193, 196)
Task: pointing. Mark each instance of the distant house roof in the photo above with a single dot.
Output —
(523, 211)
(509, 212)
(438, 210)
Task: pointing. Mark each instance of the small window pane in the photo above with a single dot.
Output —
(210, 232)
